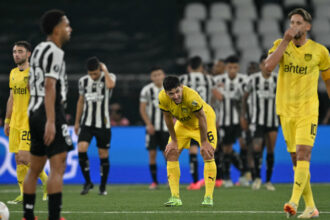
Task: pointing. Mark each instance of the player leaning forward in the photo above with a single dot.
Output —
(297, 104)
(195, 120)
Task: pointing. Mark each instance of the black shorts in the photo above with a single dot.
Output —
(229, 134)
(62, 141)
(259, 131)
(102, 135)
(158, 139)
(194, 142)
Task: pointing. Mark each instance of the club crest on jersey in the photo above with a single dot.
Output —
(184, 110)
(194, 103)
(308, 57)
(101, 85)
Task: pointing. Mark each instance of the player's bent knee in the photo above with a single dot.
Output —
(172, 155)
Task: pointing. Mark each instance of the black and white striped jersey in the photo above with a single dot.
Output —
(96, 101)
(201, 83)
(262, 93)
(228, 110)
(149, 95)
(47, 60)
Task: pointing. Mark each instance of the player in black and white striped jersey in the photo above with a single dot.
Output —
(157, 132)
(49, 134)
(261, 89)
(205, 86)
(231, 86)
(93, 119)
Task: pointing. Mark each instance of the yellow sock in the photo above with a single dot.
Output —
(300, 180)
(43, 177)
(173, 176)
(210, 173)
(21, 171)
(307, 193)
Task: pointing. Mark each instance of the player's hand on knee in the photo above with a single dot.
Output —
(207, 151)
(171, 149)
(49, 134)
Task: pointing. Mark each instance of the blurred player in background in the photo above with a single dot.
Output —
(49, 132)
(93, 119)
(297, 103)
(261, 88)
(17, 121)
(195, 120)
(157, 132)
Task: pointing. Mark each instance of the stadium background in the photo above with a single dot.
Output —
(132, 36)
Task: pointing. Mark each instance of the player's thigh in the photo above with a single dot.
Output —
(85, 134)
(183, 135)
(306, 130)
(62, 142)
(14, 140)
(103, 137)
(288, 125)
(25, 140)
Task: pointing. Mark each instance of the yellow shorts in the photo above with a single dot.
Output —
(299, 131)
(19, 140)
(185, 134)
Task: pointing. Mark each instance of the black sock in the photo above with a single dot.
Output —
(243, 156)
(218, 157)
(84, 165)
(270, 166)
(253, 173)
(257, 163)
(236, 160)
(105, 166)
(194, 167)
(54, 206)
(226, 166)
(28, 206)
(153, 171)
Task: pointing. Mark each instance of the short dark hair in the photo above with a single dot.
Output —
(195, 62)
(263, 57)
(25, 44)
(232, 59)
(171, 82)
(92, 63)
(50, 19)
(300, 11)
(154, 68)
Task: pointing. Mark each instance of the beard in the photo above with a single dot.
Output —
(298, 35)
(20, 62)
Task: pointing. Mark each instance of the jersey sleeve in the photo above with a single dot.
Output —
(324, 60)
(163, 101)
(11, 80)
(275, 45)
(247, 87)
(144, 95)
(113, 77)
(81, 87)
(195, 102)
(53, 65)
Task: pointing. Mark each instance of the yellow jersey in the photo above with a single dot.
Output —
(184, 112)
(296, 93)
(18, 83)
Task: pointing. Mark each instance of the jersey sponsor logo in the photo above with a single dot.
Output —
(308, 57)
(184, 118)
(94, 97)
(19, 91)
(295, 69)
(184, 110)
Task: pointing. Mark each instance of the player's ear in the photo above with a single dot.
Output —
(309, 26)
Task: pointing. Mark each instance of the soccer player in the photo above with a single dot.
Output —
(93, 119)
(205, 86)
(261, 89)
(297, 104)
(231, 88)
(49, 132)
(195, 120)
(157, 132)
(17, 122)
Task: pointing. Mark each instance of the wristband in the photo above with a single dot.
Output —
(7, 120)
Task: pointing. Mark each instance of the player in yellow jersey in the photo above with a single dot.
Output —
(17, 122)
(297, 104)
(195, 120)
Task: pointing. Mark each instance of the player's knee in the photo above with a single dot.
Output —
(172, 155)
(103, 153)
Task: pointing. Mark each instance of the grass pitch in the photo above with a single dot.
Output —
(138, 202)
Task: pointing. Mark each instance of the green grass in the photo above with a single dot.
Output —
(137, 202)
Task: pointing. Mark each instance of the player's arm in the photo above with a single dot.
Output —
(170, 125)
(243, 120)
(145, 118)
(217, 94)
(109, 82)
(326, 78)
(274, 58)
(206, 148)
(9, 110)
(50, 94)
(80, 108)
